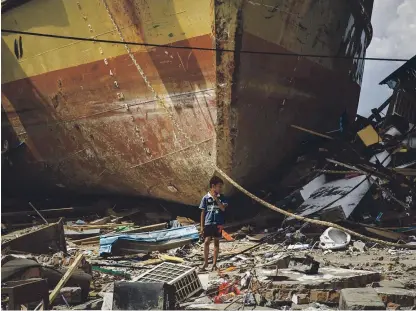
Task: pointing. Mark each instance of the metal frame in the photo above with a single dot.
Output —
(184, 278)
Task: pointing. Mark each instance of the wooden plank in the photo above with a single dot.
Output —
(149, 262)
(154, 227)
(185, 221)
(106, 226)
(403, 171)
(74, 234)
(171, 258)
(386, 233)
(28, 213)
(101, 221)
(87, 240)
(311, 132)
(65, 278)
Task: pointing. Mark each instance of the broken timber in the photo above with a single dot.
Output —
(48, 239)
(65, 278)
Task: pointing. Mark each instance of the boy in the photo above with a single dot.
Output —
(213, 205)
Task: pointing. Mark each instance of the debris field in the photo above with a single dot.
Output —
(339, 232)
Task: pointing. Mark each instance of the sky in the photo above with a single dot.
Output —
(394, 35)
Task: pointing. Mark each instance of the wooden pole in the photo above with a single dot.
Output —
(65, 278)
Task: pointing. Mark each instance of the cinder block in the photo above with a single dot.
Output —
(360, 299)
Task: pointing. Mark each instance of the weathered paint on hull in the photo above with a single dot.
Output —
(153, 122)
(269, 92)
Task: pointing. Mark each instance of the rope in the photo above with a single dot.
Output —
(309, 220)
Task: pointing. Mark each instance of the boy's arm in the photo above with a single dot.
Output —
(202, 221)
(221, 204)
(202, 208)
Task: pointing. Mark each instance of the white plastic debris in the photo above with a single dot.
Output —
(334, 239)
(245, 280)
(359, 246)
(298, 247)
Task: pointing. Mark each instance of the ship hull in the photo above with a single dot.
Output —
(154, 122)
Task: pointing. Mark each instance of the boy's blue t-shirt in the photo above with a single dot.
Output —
(213, 214)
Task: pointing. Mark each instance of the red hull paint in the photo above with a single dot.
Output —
(93, 131)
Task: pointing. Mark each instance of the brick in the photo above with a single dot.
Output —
(324, 296)
(360, 299)
(403, 297)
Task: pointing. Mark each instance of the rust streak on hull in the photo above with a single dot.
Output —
(153, 122)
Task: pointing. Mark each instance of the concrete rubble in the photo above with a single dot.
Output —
(361, 180)
(263, 274)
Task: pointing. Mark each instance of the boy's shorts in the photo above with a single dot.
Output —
(213, 231)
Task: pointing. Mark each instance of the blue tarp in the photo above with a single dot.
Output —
(154, 237)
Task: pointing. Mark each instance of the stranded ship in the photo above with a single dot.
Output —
(155, 120)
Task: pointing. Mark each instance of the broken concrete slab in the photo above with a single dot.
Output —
(403, 297)
(360, 299)
(390, 283)
(327, 278)
(48, 239)
(304, 264)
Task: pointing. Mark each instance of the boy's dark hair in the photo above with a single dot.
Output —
(215, 180)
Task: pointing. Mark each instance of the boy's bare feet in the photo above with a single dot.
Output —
(203, 268)
(214, 268)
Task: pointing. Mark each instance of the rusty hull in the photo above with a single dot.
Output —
(154, 122)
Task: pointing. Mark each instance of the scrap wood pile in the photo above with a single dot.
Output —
(363, 178)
